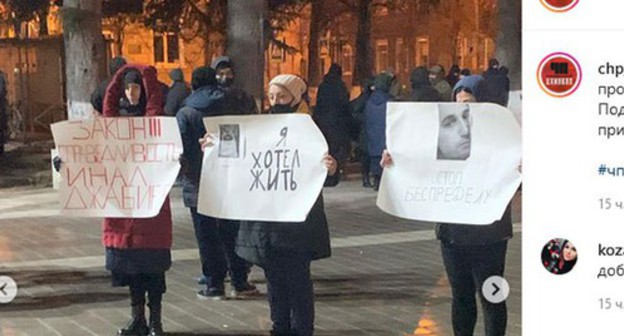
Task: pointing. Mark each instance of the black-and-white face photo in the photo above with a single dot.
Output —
(229, 136)
(454, 139)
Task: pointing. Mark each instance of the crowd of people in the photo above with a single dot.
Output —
(138, 251)
(427, 85)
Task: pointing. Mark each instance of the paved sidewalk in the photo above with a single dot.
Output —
(385, 277)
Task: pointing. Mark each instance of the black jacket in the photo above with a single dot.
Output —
(238, 102)
(178, 92)
(204, 102)
(422, 91)
(496, 87)
(333, 116)
(97, 97)
(258, 242)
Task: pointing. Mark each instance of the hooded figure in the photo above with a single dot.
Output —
(285, 250)
(138, 250)
(333, 116)
(178, 91)
(375, 124)
(437, 78)
(422, 91)
(473, 253)
(97, 97)
(215, 237)
(357, 106)
(206, 100)
(237, 101)
(496, 84)
(472, 84)
(453, 75)
(4, 115)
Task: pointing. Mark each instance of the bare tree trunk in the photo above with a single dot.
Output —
(84, 52)
(316, 25)
(364, 57)
(508, 43)
(245, 43)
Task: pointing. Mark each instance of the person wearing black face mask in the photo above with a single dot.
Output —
(285, 250)
(215, 236)
(237, 101)
(286, 95)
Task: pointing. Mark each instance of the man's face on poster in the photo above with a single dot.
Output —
(454, 138)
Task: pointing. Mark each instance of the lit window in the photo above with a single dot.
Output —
(347, 60)
(166, 48)
(381, 56)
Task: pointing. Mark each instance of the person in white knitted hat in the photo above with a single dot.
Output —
(287, 93)
(286, 250)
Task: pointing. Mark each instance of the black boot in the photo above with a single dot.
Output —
(154, 294)
(376, 182)
(137, 326)
(155, 324)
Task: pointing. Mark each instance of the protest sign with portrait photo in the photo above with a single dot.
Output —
(262, 167)
(117, 167)
(452, 163)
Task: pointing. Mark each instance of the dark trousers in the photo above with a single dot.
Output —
(365, 161)
(152, 284)
(290, 293)
(467, 268)
(216, 240)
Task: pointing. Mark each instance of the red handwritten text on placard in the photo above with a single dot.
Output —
(120, 129)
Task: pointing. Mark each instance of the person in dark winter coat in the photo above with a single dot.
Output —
(178, 92)
(97, 97)
(215, 237)
(437, 77)
(285, 250)
(453, 76)
(4, 113)
(375, 116)
(236, 101)
(357, 107)
(496, 84)
(472, 254)
(422, 91)
(138, 250)
(464, 73)
(332, 114)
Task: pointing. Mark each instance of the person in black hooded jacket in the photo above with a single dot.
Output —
(215, 237)
(332, 114)
(177, 93)
(473, 253)
(422, 90)
(97, 97)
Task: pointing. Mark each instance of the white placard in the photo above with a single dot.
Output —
(453, 163)
(262, 167)
(117, 167)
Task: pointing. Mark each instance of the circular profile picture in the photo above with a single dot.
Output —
(559, 5)
(559, 256)
(559, 74)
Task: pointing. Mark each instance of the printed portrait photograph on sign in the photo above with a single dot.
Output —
(454, 140)
(229, 136)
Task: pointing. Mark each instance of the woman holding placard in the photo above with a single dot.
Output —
(471, 253)
(138, 250)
